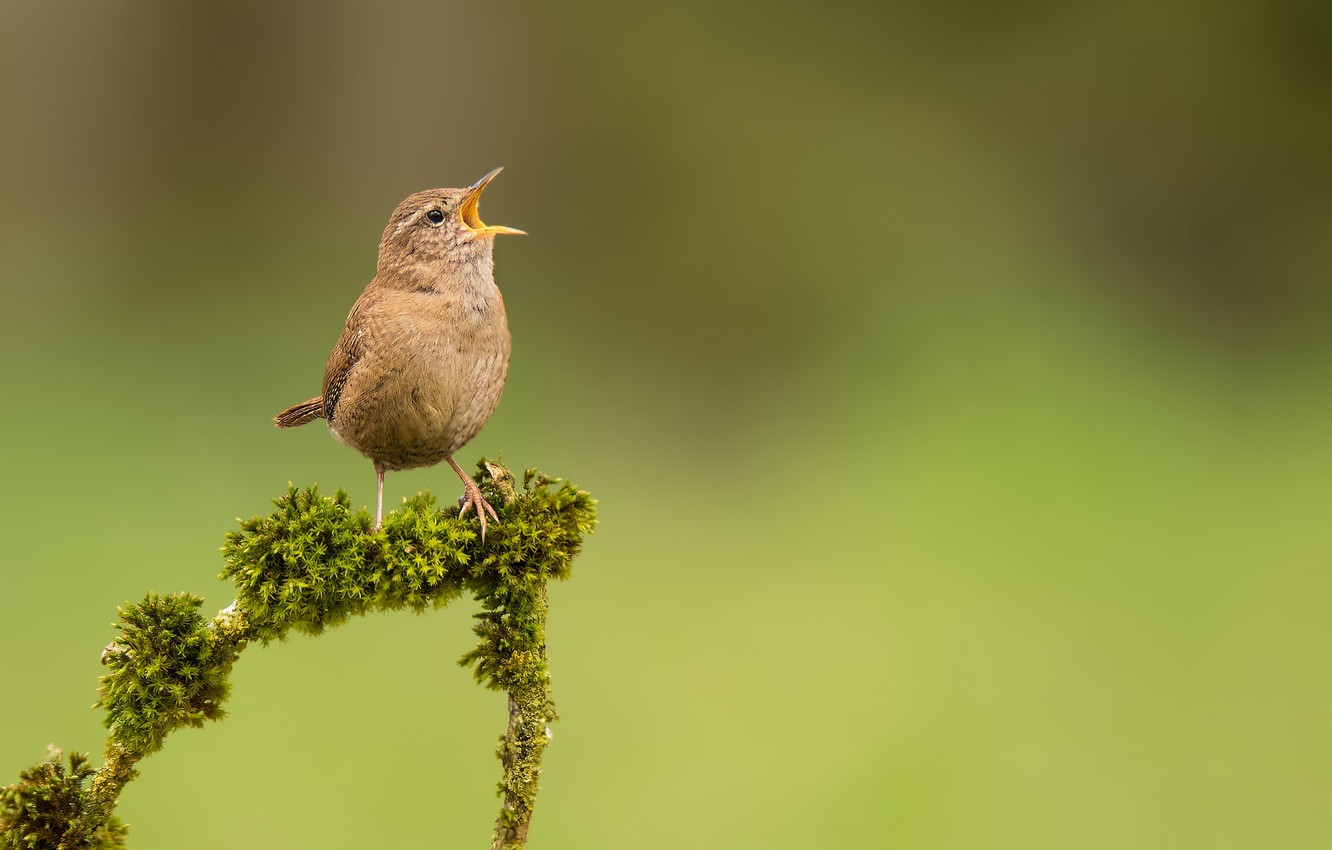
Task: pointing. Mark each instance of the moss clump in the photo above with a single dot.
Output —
(167, 670)
(315, 562)
(49, 807)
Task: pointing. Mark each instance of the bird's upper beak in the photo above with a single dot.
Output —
(470, 210)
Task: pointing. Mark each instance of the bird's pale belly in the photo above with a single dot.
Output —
(421, 409)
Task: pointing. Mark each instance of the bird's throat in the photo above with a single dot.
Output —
(471, 280)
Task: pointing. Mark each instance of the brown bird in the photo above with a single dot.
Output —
(422, 359)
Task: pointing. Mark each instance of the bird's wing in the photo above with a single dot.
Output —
(348, 351)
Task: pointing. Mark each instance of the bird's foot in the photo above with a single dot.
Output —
(472, 498)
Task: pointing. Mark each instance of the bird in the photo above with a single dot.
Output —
(421, 361)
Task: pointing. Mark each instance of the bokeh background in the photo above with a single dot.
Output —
(953, 379)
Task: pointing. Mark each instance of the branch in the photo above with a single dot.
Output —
(313, 564)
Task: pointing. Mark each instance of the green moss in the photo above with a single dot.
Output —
(315, 562)
(50, 807)
(166, 670)
(312, 564)
(512, 657)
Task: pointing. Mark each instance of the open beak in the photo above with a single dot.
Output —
(470, 210)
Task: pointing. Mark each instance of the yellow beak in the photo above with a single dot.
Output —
(470, 210)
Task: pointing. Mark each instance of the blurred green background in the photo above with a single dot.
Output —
(953, 379)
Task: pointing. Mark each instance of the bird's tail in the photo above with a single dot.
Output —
(306, 411)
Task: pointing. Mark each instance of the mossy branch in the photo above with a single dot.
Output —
(313, 564)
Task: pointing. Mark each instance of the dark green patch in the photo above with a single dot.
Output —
(49, 807)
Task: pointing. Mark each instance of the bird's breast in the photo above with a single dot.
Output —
(431, 373)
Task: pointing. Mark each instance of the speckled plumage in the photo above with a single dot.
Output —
(421, 362)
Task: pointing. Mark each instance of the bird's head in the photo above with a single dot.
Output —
(439, 226)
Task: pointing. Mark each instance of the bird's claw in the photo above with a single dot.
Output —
(472, 498)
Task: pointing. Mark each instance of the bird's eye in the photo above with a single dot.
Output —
(435, 216)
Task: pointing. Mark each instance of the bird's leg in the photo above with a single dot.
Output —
(472, 498)
(379, 497)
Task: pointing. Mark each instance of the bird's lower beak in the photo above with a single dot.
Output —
(471, 214)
